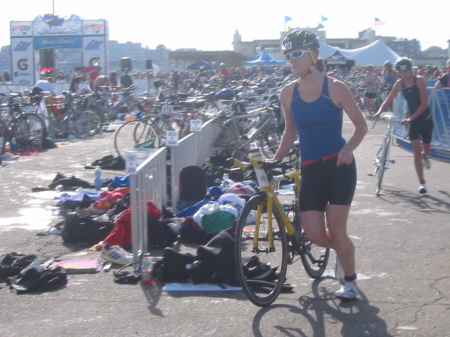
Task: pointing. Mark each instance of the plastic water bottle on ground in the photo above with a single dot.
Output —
(98, 178)
(147, 269)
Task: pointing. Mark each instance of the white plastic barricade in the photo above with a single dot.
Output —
(148, 182)
(193, 149)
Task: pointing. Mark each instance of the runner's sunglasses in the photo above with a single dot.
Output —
(296, 54)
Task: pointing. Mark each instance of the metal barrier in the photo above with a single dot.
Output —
(149, 182)
(141, 84)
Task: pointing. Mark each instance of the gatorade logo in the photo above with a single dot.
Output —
(94, 45)
(22, 64)
(22, 46)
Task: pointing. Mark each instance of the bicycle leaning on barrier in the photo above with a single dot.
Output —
(270, 233)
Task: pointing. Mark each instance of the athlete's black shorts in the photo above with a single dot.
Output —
(325, 183)
(421, 128)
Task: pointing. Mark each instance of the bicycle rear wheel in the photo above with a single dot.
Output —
(382, 164)
(94, 120)
(314, 258)
(134, 135)
(29, 131)
(80, 123)
(261, 269)
(269, 141)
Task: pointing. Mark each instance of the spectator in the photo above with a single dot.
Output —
(175, 82)
(45, 84)
(93, 74)
(113, 76)
(371, 82)
(444, 80)
(101, 81)
(75, 84)
(126, 80)
(6, 76)
(389, 76)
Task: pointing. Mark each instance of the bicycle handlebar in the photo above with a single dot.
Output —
(389, 118)
(265, 164)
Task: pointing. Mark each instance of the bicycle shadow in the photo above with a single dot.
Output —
(426, 203)
(322, 309)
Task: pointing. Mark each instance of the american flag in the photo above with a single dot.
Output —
(379, 22)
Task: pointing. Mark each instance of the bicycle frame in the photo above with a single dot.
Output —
(272, 199)
(382, 160)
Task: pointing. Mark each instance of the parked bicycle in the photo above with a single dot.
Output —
(22, 130)
(254, 129)
(270, 233)
(382, 160)
(68, 114)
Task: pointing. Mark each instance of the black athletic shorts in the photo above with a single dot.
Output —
(421, 128)
(325, 183)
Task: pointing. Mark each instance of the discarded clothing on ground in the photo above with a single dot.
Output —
(24, 273)
(69, 183)
(50, 278)
(108, 162)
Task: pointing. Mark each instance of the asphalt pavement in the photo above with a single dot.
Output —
(402, 253)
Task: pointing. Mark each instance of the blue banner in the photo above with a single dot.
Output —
(57, 42)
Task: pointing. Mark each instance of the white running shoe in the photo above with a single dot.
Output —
(116, 254)
(423, 189)
(348, 291)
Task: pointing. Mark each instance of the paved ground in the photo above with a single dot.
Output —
(401, 240)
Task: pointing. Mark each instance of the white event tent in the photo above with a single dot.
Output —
(376, 53)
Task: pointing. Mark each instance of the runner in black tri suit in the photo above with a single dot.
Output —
(418, 116)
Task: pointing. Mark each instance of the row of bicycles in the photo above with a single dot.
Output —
(248, 116)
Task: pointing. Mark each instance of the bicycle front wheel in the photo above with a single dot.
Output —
(261, 260)
(382, 164)
(135, 135)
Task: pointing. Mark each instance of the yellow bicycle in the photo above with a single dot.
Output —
(269, 235)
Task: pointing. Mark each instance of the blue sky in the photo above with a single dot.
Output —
(210, 25)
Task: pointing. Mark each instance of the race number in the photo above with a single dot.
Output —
(196, 125)
(171, 138)
(131, 161)
(167, 109)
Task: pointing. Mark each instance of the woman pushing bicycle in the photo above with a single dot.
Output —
(313, 107)
(418, 117)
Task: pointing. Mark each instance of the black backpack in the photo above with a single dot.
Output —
(192, 186)
(214, 263)
(83, 229)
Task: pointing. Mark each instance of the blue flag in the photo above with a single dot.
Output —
(287, 18)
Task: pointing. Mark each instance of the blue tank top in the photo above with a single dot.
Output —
(319, 124)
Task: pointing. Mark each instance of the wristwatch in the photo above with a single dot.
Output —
(408, 120)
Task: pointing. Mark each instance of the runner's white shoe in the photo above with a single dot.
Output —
(423, 189)
(348, 291)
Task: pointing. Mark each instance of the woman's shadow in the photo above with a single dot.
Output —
(358, 317)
